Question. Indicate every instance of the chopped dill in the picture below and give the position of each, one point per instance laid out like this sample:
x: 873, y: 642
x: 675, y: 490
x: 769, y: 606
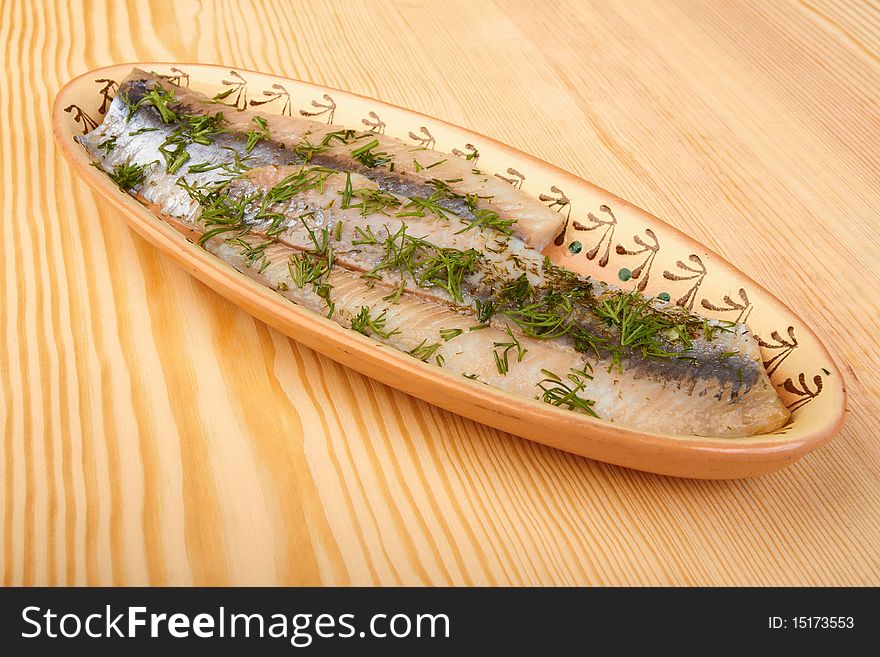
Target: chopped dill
x: 429, y: 265
x: 490, y: 219
x: 296, y: 183
x: 194, y: 129
x: 258, y: 133
x: 559, y: 392
x: 202, y: 167
x: 418, y: 206
x: 639, y: 327
x: 446, y: 268
x: 502, y: 358
x: 159, y: 98
x: 517, y: 290
x: 394, y: 297
x: 449, y: 334
x: 346, y: 191
x: 364, y: 236
x: 127, y: 176
x: 364, y: 323
x: 424, y: 351
x: 485, y: 309
x: 107, y: 145
x: 369, y: 200
x: 546, y: 318
x: 340, y: 136
x: 365, y: 155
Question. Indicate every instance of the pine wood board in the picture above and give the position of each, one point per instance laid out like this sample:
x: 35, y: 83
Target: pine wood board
x: 155, y: 434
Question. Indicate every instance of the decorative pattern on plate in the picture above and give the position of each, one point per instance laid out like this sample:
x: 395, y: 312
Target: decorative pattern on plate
x: 744, y: 306
x: 607, y: 224
x: 328, y: 107
x: 237, y: 86
x: 278, y: 92
x: 374, y: 123
x: 88, y: 123
x: 802, y: 390
x: 176, y: 76
x: 696, y: 273
x: 645, y: 268
x: 783, y: 346
x: 425, y: 139
x: 516, y: 178
x: 470, y: 152
x: 107, y: 92
x: 557, y: 200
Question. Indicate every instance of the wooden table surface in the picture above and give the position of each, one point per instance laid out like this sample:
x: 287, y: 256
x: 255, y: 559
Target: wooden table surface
x: 154, y: 434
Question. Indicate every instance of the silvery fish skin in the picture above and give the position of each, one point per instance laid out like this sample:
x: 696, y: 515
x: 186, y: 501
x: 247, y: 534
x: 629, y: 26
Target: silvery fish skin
x: 320, y: 226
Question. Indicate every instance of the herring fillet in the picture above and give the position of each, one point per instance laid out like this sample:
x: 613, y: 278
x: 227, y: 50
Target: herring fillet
x: 716, y: 387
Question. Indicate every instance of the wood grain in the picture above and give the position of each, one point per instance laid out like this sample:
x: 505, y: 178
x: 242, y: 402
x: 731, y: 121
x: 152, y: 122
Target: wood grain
x: 155, y: 434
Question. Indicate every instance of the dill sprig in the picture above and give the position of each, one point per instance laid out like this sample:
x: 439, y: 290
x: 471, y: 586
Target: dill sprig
x: 443, y: 187
x: 418, y: 206
x: 126, y: 176
x: 364, y: 236
x: 640, y: 327
x: 364, y: 323
x: 341, y: 136
x: 449, y: 334
x: 365, y: 155
x: 194, y: 129
x: 427, y: 264
x: 710, y: 330
x: 394, y: 297
x: 545, y: 318
x: 305, y: 269
x: 224, y: 214
x: 502, y: 358
x: 296, y: 183
x: 107, y: 145
x: 368, y: 200
x: 307, y: 150
x: 159, y: 97
x: 517, y: 290
x: 485, y: 309
x: 565, y: 392
x: 424, y: 351
x: 446, y: 268
x: 313, y: 267
x: 252, y: 253
x: 490, y: 219
x: 258, y: 133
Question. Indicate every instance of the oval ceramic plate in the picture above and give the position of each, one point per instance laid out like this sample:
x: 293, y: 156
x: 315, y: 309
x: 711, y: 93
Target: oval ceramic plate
x: 604, y: 237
